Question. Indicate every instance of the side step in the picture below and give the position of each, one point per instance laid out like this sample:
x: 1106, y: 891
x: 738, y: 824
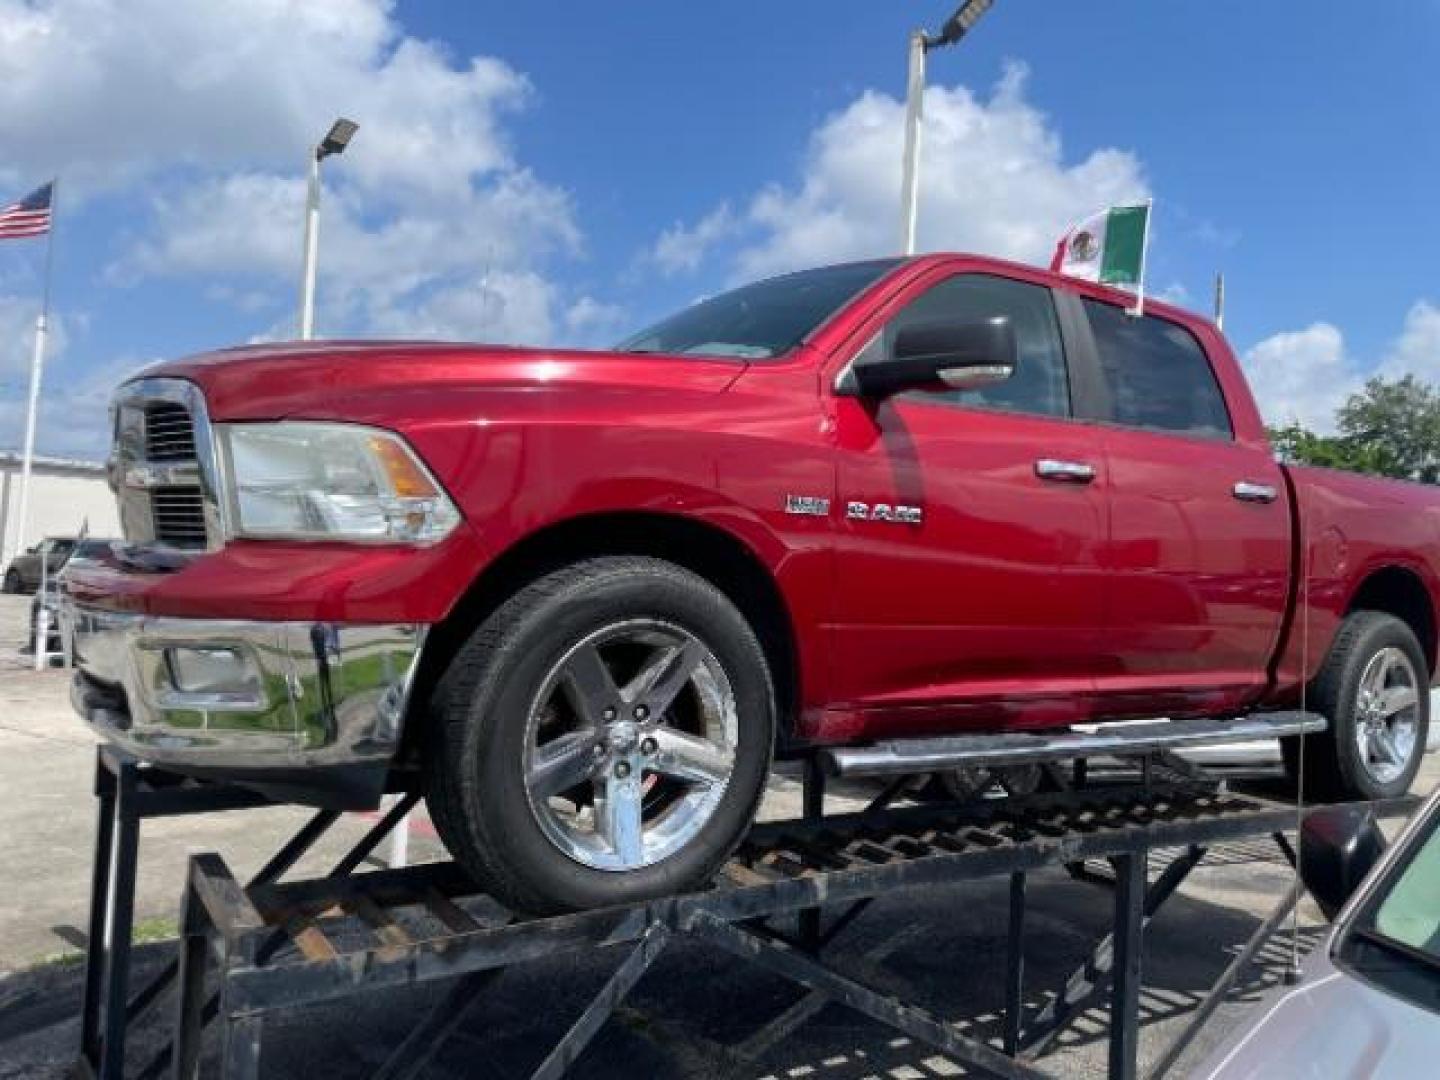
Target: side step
x: 900, y: 756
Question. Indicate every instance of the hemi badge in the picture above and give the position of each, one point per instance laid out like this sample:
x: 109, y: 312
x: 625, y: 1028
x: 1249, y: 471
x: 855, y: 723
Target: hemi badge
x: 807, y: 505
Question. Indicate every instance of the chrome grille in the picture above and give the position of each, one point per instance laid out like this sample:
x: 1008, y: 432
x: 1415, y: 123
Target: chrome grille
x: 164, y: 467
x: 169, y: 432
x: 179, y: 517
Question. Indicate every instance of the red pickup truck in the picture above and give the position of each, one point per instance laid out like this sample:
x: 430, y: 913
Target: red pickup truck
x: 592, y: 594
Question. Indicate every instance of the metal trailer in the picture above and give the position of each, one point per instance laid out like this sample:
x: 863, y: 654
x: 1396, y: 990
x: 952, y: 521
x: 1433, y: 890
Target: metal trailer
x: 279, y: 946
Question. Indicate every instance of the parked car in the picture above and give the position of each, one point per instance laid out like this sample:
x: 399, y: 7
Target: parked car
x: 591, y: 594
x: 85, y: 549
x: 1368, y: 1003
x: 26, y: 569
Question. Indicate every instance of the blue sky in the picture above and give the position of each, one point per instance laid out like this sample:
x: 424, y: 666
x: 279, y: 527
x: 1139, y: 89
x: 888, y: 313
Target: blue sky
x: 561, y: 172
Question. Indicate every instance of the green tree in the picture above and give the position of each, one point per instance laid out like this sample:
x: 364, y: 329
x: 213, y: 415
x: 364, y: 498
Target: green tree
x: 1390, y: 428
x: 1399, y: 421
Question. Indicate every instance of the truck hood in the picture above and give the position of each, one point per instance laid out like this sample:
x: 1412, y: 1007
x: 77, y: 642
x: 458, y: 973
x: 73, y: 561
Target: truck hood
x: 322, y: 378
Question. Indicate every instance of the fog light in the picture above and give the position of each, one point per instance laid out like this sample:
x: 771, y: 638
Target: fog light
x: 219, y: 671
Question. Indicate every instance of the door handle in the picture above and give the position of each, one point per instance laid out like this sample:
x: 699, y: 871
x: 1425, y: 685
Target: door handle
x: 1246, y: 491
x: 1064, y: 472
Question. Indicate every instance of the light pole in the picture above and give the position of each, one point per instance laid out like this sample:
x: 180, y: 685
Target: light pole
x: 335, y: 141
x: 956, y: 27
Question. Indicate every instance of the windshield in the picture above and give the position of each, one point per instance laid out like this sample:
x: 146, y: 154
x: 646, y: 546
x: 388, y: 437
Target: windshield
x: 1395, y: 938
x: 762, y: 320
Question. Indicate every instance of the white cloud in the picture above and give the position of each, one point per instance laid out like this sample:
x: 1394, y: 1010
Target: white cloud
x: 1417, y: 350
x: 503, y: 306
x: 1301, y: 376
x: 994, y: 179
x: 214, y: 108
x: 1306, y: 375
x: 682, y: 247
x: 113, y: 89
x: 593, y: 322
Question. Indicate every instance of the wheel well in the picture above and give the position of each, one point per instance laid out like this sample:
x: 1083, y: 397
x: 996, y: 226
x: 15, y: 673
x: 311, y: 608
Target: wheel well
x: 703, y: 549
x: 1400, y: 592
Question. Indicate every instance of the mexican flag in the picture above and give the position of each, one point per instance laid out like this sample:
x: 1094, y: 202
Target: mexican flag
x: 1108, y: 247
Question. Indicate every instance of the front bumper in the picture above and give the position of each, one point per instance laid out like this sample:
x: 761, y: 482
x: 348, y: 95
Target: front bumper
x: 244, y: 699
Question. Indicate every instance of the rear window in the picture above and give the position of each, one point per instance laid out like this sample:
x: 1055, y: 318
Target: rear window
x: 1158, y: 375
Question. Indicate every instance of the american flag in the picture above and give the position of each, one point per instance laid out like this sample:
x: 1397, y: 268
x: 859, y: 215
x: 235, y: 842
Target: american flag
x: 28, y: 217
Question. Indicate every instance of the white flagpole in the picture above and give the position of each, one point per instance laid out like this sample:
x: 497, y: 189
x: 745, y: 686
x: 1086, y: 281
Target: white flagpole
x: 1139, y: 308
x: 914, y: 127
x: 37, y: 363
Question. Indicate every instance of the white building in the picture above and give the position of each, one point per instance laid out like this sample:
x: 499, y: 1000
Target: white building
x: 65, y: 496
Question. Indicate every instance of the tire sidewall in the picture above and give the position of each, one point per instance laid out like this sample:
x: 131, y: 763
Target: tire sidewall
x: 491, y: 787
x: 1383, y: 632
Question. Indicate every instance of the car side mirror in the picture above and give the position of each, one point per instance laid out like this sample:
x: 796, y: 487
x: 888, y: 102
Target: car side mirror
x: 1339, y: 846
x: 942, y: 355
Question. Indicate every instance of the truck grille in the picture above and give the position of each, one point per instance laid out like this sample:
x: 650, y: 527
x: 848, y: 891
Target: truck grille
x: 164, y: 465
x: 179, y: 516
x: 169, y: 432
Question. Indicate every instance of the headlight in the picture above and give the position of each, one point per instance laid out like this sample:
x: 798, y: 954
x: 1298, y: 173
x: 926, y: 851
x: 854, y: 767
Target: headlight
x: 319, y: 481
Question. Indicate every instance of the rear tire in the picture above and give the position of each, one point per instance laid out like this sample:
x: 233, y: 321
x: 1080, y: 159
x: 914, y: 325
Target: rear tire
x: 603, y: 737
x: 1374, y: 688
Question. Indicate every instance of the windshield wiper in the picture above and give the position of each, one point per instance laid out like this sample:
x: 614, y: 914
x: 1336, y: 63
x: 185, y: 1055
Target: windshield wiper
x: 1397, y: 948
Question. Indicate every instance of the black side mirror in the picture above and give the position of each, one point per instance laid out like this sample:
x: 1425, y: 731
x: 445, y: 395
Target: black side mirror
x: 942, y: 356
x: 1339, y: 846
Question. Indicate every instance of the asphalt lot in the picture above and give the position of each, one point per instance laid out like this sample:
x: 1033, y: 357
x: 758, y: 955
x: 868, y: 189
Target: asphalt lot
x: 695, y: 1014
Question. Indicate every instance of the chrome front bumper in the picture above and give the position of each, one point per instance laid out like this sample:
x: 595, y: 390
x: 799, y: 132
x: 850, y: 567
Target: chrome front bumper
x: 237, y: 696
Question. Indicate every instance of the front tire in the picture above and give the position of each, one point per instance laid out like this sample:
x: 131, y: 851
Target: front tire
x: 1374, y: 690
x: 12, y: 581
x: 603, y: 737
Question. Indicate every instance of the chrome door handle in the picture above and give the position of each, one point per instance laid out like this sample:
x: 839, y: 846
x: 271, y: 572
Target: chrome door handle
x: 1064, y: 472
x: 1246, y: 491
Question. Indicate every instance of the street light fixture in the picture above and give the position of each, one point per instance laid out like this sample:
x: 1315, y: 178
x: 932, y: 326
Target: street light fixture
x: 956, y: 27
x: 334, y: 142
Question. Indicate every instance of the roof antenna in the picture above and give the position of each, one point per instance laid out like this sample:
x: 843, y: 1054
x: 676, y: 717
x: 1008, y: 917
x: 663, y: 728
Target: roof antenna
x: 1292, y: 973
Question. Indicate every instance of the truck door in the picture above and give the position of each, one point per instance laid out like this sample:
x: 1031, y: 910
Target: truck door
x: 968, y: 578
x: 1199, y: 548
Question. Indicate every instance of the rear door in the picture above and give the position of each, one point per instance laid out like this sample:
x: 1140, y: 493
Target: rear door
x: 1198, y: 553
x: 974, y: 598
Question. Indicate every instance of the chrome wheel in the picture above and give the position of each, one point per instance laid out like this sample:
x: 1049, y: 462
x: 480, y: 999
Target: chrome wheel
x: 629, y: 745
x: 1387, y: 711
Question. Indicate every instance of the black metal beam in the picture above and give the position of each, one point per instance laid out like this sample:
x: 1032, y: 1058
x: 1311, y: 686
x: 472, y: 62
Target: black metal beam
x: 1226, y: 982
x: 647, y: 950
x: 780, y: 959
x: 1086, y: 984
x: 1125, y: 997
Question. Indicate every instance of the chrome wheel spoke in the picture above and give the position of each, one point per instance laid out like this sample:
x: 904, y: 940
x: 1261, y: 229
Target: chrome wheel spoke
x: 660, y: 681
x: 562, y: 764
x: 1383, y: 740
x: 1391, y: 701
x: 588, y: 684
x: 691, y: 758
x: 618, y: 817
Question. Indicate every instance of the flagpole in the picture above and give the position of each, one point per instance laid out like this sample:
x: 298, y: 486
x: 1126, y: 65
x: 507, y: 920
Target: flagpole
x: 37, y: 363
x: 1219, y: 301
x: 1144, y: 254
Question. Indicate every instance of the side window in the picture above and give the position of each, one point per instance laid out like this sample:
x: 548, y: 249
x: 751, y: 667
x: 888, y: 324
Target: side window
x: 1039, y: 385
x: 1158, y: 375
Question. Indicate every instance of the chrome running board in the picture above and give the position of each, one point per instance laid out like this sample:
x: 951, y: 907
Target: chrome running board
x: 1019, y: 748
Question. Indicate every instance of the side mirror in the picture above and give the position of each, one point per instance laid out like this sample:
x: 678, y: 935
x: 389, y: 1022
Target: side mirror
x: 942, y: 356
x: 1339, y: 846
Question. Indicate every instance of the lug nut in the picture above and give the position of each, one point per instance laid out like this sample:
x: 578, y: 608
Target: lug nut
x: 641, y: 712
x: 609, y: 712
x: 599, y: 751
x: 649, y: 746
x: 622, y: 769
